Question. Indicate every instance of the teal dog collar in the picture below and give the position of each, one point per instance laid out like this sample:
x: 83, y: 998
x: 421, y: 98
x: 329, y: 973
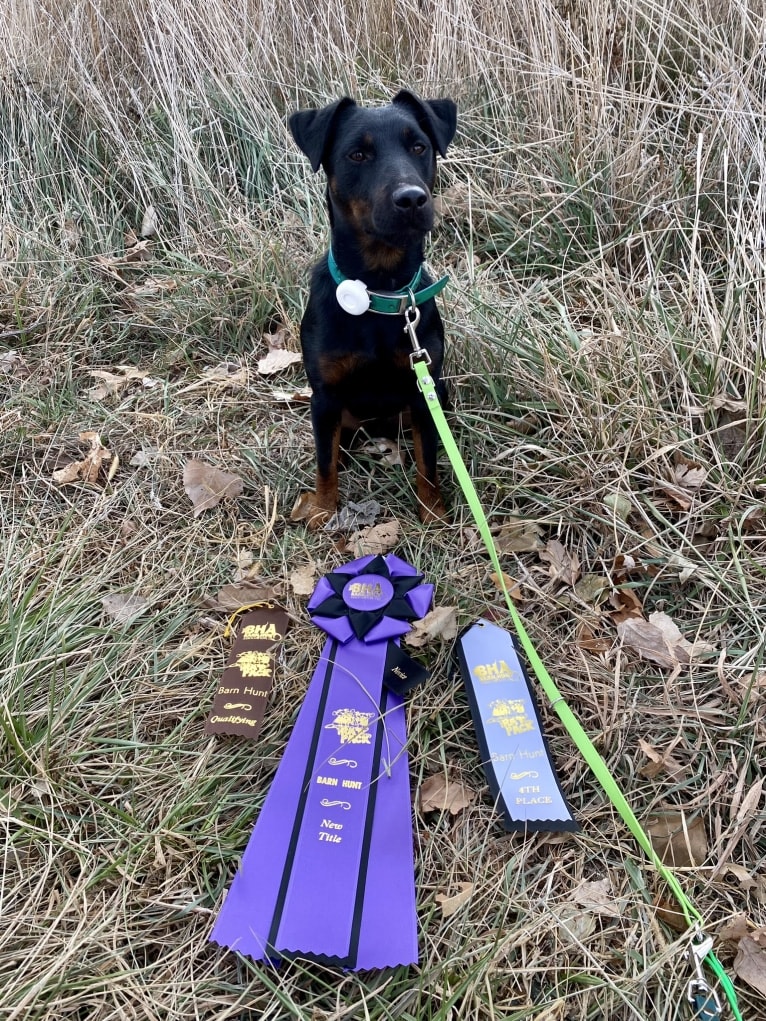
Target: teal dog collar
x: 355, y: 298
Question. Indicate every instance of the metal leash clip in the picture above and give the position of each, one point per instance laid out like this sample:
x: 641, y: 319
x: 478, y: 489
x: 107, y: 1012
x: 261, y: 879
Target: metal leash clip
x: 419, y: 354
x: 707, y: 1006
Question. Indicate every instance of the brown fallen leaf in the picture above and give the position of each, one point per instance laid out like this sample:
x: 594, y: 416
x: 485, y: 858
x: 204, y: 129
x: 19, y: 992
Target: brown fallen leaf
x: 618, y: 505
x: 590, y: 642
x: 142, y: 458
x: 660, y: 762
x: 247, y: 567
x: 14, y: 364
x: 278, y: 357
x: 277, y: 361
x: 71, y: 473
x: 750, y: 803
x: 377, y: 539
x: 624, y: 567
x: 683, y: 481
x: 562, y: 566
x: 86, y: 470
x: 143, y: 292
x: 736, y: 928
x: 512, y: 587
x: 231, y: 373
x: 745, y: 878
x: 679, y: 496
x: 660, y: 641
x: 519, y: 535
x: 574, y: 925
x: 123, y: 608
x: 387, y: 450
x: 112, y: 382
x: 625, y: 605
x: 669, y: 912
x: 438, y: 794
x: 303, y: 580
x: 441, y: 622
x: 298, y: 395
x: 689, y: 475
x: 750, y: 962
x: 451, y: 905
x: 597, y: 896
x: 276, y: 341
x: 136, y: 250
x: 677, y: 841
x: 593, y: 589
x: 233, y: 596
x: 206, y: 485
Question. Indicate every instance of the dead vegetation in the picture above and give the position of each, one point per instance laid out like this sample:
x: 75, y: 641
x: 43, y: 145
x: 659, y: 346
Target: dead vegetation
x: 602, y: 220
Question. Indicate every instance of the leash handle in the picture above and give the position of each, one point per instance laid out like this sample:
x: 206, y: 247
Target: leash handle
x: 584, y: 744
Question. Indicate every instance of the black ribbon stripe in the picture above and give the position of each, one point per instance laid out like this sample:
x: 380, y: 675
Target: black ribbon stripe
x: 305, y: 788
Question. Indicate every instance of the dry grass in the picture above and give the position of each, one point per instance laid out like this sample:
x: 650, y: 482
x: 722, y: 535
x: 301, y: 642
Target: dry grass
x: 603, y: 224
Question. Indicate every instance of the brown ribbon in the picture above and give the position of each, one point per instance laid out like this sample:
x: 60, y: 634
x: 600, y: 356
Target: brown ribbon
x: 240, y: 699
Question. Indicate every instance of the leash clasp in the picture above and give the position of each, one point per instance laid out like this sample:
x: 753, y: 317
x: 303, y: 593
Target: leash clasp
x: 700, y: 994
x: 411, y: 320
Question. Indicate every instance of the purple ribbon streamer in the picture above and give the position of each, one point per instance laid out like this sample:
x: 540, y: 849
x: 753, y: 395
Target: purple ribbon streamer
x: 328, y: 872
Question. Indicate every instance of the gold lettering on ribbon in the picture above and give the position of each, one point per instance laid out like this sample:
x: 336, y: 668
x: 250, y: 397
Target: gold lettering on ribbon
x: 488, y: 673
x: 239, y: 720
x: 254, y: 664
x: 261, y: 632
x: 511, y: 715
x: 352, y: 726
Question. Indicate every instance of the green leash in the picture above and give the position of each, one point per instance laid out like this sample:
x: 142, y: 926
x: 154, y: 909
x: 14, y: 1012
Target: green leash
x: 703, y: 998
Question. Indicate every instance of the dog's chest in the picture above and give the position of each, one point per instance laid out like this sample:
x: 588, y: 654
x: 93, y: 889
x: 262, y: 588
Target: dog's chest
x: 381, y: 383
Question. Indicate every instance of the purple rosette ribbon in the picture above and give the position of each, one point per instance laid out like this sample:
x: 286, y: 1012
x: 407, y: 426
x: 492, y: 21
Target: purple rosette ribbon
x: 328, y: 873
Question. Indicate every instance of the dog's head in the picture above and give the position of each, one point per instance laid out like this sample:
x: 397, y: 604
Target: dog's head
x: 380, y: 162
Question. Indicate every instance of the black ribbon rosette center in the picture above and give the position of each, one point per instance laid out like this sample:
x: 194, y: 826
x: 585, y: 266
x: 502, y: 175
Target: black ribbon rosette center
x: 369, y: 596
x: 374, y: 599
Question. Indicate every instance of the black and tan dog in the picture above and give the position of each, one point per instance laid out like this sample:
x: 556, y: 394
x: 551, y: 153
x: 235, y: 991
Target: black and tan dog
x: 380, y: 165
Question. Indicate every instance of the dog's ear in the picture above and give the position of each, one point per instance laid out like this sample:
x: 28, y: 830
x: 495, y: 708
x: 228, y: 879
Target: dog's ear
x: 312, y: 129
x: 437, y: 117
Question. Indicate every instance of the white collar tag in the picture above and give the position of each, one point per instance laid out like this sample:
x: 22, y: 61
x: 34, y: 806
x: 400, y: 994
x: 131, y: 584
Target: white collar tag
x: 352, y: 297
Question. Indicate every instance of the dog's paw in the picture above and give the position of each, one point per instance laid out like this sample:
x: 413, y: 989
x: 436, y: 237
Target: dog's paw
x: 308, y: 508
x: 434, y: 513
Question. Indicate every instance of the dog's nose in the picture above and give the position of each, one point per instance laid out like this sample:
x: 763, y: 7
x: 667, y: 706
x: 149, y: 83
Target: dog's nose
x: 409, y: 196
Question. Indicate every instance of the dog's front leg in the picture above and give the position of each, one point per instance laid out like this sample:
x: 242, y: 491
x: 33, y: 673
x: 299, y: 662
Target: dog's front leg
x: 316, y: 508
x: 425, y: 441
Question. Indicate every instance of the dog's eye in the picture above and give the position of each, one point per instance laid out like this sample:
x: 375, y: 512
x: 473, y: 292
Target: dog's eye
x: 357, y: 156
x: 418, y: 148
